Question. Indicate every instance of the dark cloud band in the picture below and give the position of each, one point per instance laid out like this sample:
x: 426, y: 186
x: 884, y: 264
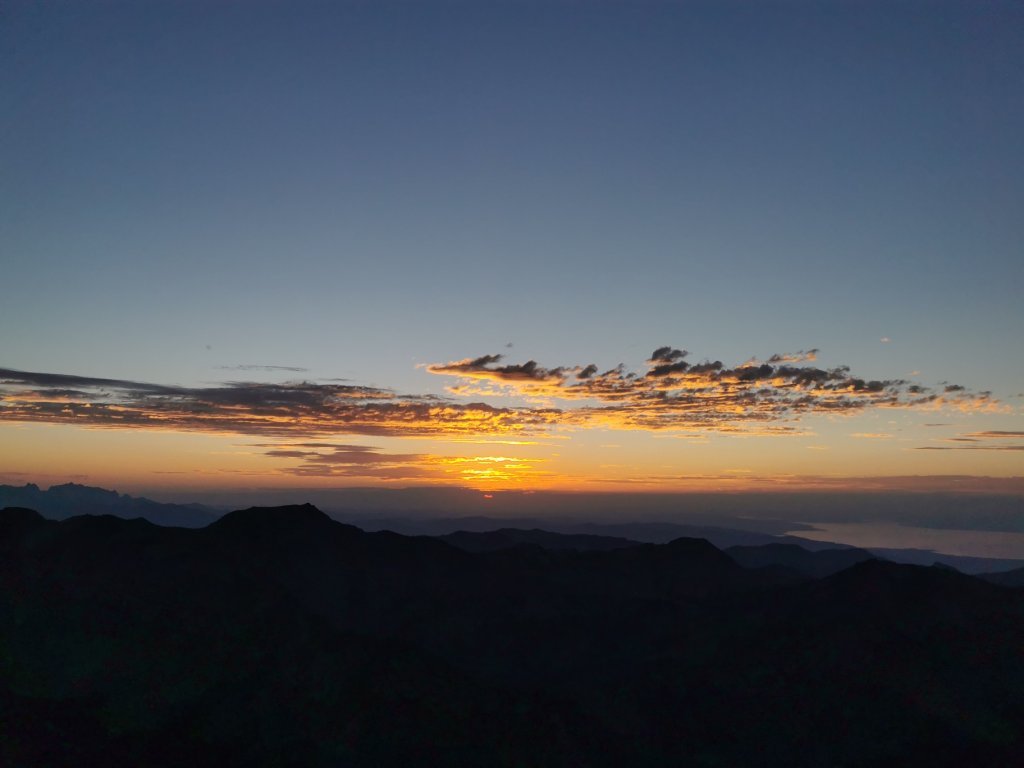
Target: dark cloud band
x: 293, y: 409
x: 671, y: 394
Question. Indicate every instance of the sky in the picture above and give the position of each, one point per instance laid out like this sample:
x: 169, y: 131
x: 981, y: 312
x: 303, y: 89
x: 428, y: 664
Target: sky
x: 596, y: 246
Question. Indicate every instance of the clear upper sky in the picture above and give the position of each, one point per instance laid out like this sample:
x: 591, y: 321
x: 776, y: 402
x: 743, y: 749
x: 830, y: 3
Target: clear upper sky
x: 199, y: 193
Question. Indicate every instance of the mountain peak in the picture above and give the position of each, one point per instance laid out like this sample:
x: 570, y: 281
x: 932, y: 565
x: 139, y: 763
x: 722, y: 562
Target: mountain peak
x: 879, y: 583
x: 265, y: 520
x: 689, y: 543
x: 696, y: 548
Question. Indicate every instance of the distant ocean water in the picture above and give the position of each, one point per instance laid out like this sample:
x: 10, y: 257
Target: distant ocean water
x: 997, y: 544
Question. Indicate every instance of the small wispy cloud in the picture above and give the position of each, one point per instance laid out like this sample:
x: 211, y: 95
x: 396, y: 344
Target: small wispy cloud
x: 794, y: 357
x: 970, y: 448
x: 985, y: 440
x: 290, y: 368
x: 360, y: 461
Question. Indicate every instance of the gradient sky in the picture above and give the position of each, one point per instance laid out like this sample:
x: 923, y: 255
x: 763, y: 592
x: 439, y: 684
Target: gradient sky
x: 279, y: 244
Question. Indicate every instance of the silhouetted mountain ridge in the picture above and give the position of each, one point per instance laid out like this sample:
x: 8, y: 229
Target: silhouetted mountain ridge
x: 289, y: 519
x: 281, y: 637
x: 73, y: 499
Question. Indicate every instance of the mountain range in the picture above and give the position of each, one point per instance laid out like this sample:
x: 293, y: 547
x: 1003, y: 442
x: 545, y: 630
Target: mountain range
x: 70, y: 499
x: 60, y: 502
x: 278, y: 636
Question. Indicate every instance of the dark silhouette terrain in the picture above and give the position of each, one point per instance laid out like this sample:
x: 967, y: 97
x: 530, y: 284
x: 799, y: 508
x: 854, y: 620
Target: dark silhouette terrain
x: 276, y: 636
x: 816, y: 565
x: 1014, y: 578
x: 505, y: 538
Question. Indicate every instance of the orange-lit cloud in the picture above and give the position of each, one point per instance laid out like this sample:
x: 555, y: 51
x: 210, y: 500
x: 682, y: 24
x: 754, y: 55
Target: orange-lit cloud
x: 360, y: 461
x: 706, y: 396
x: 670, y: 394
x: 283, y: 410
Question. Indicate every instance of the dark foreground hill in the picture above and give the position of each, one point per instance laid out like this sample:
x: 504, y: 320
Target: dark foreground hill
x: 506, y: 538
x: 1014, y: 578
x: 279, y: 637
x: 816, y: 565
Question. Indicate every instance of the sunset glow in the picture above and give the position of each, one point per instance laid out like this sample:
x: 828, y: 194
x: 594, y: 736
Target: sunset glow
x: 675, y: 426
x: 581, y: 249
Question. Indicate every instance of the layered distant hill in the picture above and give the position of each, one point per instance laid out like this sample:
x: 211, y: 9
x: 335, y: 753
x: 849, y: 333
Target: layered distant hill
x: 276, y: 636
x: 63, y: 501
x: 482, y: 532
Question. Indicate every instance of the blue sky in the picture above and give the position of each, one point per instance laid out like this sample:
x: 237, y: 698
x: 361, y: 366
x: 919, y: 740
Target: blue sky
x: 359, y: 189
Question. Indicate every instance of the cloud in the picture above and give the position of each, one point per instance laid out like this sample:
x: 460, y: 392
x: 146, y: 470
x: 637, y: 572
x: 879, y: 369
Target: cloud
x: 671, y: 394
x: 706, y: 396
x: 484, y: 368
x: 352, y: 461
x: 977, y: 441
x: 375, y: 472
x: 666, y: 355
x: 290, y: 368
x: 665, y: 361
x: 361, y: 461
x: 794, y: 357
x: 279, y: 410
x: 356, y: 455
x: 970, y: 448
x: 290, y: 454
